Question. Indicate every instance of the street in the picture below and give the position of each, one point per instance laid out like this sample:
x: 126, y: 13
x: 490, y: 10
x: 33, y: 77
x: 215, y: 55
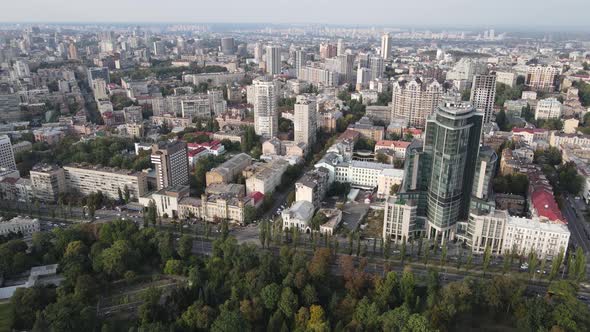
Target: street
x: 576, y: 224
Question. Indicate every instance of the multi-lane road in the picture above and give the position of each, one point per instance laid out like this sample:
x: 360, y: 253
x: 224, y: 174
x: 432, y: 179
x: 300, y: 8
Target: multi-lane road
x: 580, y: 235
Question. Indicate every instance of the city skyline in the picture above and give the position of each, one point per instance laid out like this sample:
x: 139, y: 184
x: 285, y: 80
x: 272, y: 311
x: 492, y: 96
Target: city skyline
x: 459, y: 13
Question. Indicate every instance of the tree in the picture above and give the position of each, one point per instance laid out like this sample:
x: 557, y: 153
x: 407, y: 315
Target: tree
x: 174, y: 267
x: 318, y: 220
x: 317, y: 320
x: 270, y: 295
x: 185, y: 246
x: 288, y: 302
x: 118, y: 258
x: 69, y: 314
x: 487, y: 257
x: 26, y: 301
x: 556, y: 264
x: 502, y: 121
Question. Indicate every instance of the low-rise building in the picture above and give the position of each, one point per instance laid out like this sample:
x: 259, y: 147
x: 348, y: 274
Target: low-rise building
x: 24, y: 226
x: 400, y: 219
x: 388, y: 178
x: 312, y: 186
x: 334, y: 217
x: 524, y: 235
x: 298, y: 216
x: 266, y: 176
x: 548, y: 108
x: 227, y: 171
x: 367, y: 130
x: 398, y: 147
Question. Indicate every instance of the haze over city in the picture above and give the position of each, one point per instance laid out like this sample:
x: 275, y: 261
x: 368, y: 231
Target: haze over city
x: 458, y: 13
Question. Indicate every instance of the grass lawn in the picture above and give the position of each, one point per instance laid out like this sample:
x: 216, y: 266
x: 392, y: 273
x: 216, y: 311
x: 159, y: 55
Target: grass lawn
x: 5, y: 317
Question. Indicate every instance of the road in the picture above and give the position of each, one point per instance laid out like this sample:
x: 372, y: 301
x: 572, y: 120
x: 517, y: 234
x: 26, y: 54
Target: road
x: 576, y: 224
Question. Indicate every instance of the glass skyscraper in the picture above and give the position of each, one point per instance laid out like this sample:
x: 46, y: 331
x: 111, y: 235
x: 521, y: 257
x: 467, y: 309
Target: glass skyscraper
x: 441, y: 173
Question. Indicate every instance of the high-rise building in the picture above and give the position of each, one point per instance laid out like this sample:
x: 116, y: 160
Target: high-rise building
x: 483, y: 94
x: 98, y: 72
x: 273, y: 60
x: 159, y: 48
x: 171, y: 162
x: 258, y: 51
x: 340, y: 47
x: 345, y: 67
x: 99, y: 89
x: 6, y: 153
x: 328, y: 50
x: 440, y: 174
x: 465, y: 69
x: 385, y: 46
x: 542, y: 78
x: 72, y: 52
x: 376, y: 67
x: 9, y: 106
x: 300, y: 61
x: 47, y: 182
x: 227, y: 46
x: 485, y: 168
x: 305, y: 122
x: 266, y: 118
x: 414, y: 100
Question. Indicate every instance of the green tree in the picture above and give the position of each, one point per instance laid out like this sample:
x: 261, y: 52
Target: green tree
x: 288, y: 302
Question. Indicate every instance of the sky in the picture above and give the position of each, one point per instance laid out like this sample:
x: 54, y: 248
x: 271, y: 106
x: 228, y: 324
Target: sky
x: 418, y: 13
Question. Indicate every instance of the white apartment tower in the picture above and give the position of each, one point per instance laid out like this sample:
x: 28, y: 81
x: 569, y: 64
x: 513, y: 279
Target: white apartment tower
x: 483, y: 93
x: 385, y: 46
x: 414, y: 100
x: 340, y: 47
x: 305, y: 121
x: 273, y: 60
x: 376, y: 66
x: 6, y: 153
x: 266, y: 119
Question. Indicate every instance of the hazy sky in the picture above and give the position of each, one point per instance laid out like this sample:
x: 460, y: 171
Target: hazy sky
x: 523, y: 13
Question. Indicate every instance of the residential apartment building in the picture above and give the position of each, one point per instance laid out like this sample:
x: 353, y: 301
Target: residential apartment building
x: 483, y: 94
x: 90, y: 179
x: 313, y: 186
x: 266, y: 117
x: 273, y: 60
x: 387, y: 179
x: 524, y: 235
x: 542, y: 78
x: 47, y: 182
x: 548, y: 108
x: 22, y: 225
x: 305, y: 120
x: 7, y: 160
x: 414, y: 100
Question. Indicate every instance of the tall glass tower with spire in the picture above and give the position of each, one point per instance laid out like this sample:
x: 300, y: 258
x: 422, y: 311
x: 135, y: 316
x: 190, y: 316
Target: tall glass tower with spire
x: 440, y: 171
x: 451, y: 148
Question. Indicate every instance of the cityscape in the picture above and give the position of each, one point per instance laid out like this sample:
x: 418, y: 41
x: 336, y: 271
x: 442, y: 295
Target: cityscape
x: 177, y: 176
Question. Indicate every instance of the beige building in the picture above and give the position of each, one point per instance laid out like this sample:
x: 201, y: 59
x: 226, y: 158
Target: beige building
x: 312, y: 186
x: 544, y: 238
x: 47, y: 182
x: 415, y: 99
x: 266, y: 176
x: 548, y: 108
x: 88, y: 179
x: 226, y: 172
x: 305, y: 122
x: 366, y: 128
x: 485, y: 229
x: 387, y: 179
x: 171, y: 162
x: 399, y: 221
x: 542, y: 78
x: 570, y: 126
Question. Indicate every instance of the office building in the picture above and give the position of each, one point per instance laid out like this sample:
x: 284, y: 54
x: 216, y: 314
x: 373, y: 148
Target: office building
x: 266, y: 118
x: 542, y: 78
x: 414, y: 100
x: 6, y: 153
x: 385, y: 46
x: 548, y: 108
x: 483, y: 94
x: 273, y: 60
x: 171, y: 162
x: 90, y: 179
x: 305, y: 122
x: 228, y: 46
x: 9, y: 107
